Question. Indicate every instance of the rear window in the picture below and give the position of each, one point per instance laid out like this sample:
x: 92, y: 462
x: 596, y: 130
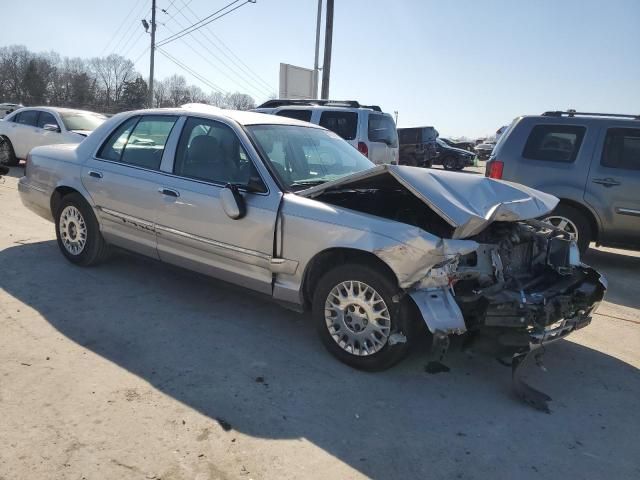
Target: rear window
x: 554, y: 143
x: 304, y: 115
x: 622, y: 149
x: 344, y: 124
x: 382, y: 129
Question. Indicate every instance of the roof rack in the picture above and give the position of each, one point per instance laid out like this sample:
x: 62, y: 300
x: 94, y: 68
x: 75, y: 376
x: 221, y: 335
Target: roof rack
x: 573, y: 113
x: 283, y: 102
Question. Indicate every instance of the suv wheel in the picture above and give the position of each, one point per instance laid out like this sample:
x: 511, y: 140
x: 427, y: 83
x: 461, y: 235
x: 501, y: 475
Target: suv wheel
x: 7, y: 155
x: 357, y: 319
x: 78, y: 232
x: 574, y: 222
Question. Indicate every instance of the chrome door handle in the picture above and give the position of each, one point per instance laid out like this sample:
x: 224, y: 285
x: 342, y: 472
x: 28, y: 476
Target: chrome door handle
x: 95, y: 174
x: 607, y: 182
x: 168, y: 192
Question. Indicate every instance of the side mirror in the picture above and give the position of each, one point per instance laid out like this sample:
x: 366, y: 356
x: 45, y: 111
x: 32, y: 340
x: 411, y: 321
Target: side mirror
x: 51, y: 127
x: 233, y: 203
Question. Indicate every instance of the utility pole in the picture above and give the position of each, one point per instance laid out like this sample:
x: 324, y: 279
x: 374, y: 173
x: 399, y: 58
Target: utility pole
x: 316, y: 70
x: 326, y: 64
x: 153, y: 51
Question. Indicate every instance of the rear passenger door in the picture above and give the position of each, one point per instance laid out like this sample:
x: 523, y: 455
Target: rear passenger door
x: 613, y: 188
x: 125, y: 182
x: 23, y: 134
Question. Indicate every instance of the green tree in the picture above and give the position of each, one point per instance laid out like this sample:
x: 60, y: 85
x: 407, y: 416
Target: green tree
x: 134, y: 94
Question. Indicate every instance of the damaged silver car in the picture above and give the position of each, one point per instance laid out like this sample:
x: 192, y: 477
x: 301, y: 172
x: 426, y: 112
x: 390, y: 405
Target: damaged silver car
x: 293, y: 211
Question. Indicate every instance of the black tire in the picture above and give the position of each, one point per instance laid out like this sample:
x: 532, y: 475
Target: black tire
x: 95, y: 248
x: 450, y: 163
x: 581, y: 222
x: 402, y: 316
x: 9, y: 158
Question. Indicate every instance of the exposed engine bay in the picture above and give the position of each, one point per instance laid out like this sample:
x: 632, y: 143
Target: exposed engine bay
x: 523, y: 287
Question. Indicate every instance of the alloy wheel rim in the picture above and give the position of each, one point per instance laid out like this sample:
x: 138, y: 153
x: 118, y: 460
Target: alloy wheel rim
x: 73, y: 230
x: 564, y: 224
x: 4, y: 152
x: 357, y: 318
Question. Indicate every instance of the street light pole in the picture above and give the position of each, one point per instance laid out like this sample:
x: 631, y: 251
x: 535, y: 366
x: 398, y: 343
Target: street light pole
x: 326, y: 64
x: 153, y: 51
x: 316, y: 70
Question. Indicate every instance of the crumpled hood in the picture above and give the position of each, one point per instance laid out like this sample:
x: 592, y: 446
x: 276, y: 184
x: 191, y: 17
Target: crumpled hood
x: 468, y: 202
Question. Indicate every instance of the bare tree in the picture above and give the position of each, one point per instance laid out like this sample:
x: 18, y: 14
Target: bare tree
x: 112, y: 73
x: 240, y: 101
x: 177, y: 90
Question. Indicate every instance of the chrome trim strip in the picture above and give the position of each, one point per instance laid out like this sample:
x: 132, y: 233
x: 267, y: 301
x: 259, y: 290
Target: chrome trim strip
x: 133, y: 221
x: 214, y: 243
x: 628, y: 211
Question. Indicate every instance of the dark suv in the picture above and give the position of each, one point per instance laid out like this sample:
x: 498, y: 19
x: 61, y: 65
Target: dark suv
x: 418, y: 146
x: 590, y: 161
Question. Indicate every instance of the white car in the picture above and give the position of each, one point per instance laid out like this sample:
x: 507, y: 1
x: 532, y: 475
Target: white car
x: 7, y: 108
x: 366, y: 127
x: 31, y: 127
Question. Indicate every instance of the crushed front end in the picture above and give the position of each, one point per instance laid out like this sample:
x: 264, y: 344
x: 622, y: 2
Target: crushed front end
x: 524, y: 287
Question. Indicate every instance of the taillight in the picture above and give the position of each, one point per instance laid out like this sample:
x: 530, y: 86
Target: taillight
x: 363, y: 149
x: 494, y: 169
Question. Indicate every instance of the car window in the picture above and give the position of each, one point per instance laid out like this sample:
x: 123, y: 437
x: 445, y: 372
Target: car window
x: 82, y: 121
x: 29, y: 117
x: 47, y: 118
x: 211, y: 151
x: 304, y: 115
x: 139, y: 141
x: 554, y: 143
x: 344, y: 124
x: 382, y: 129
x: 622, y: 149
x: 303, y: 156
x: 408, y: 135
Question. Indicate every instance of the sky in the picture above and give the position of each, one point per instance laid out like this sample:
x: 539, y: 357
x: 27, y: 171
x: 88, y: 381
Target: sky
x: 466, y: 67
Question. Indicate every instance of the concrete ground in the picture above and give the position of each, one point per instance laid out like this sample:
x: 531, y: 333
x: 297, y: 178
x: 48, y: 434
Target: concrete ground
x: 138, y: 370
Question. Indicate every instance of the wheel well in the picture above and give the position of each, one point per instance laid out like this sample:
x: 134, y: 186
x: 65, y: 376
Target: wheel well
x: 327, y: 259
x: 58, y: 194
x: 593, y: 223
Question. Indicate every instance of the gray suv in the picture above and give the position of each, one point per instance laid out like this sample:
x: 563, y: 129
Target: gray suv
x: 591, y: 161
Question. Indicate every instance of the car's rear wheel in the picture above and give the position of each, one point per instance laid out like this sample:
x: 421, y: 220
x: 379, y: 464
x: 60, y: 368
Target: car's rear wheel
x: 78, y: 232
x: 357, y: 319
x: 7, y: 155
x: 450, y: 163
x: 574, y: 222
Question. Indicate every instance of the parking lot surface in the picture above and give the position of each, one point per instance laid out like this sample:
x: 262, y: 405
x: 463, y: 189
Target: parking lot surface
x: 135, y: 369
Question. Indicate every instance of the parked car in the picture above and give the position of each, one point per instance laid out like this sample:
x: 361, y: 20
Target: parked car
x: 591, y: 161
x: 418, y: 146
x: 452, y: 158
x: 484, y: 149
x: 291, y: 210
x: 7, y: 108
x: 469, y: 146
x: 35, y: 126
x: 365, y: 127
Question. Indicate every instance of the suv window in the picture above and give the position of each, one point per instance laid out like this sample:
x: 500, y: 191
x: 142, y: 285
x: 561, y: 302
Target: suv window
x: 30, y: 117
x: 622, y: 149
x: 344, y: 124
x: 554, y: 143
x: 46, y: 118
x: 211, y: 151
x: 304, y: 115
x: 382, y: 129
x: 139, y: 141
x: 408, y: 135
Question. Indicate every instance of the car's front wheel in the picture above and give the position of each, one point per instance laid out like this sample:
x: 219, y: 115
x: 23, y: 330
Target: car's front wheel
x: 358, y: 320
x: 7, y: 155
x: 78, y: 232
x: 450, y: 163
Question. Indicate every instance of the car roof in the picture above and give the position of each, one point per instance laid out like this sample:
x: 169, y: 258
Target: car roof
x: 242, y: 117
x: 57, y: 110
x: 582, y: 119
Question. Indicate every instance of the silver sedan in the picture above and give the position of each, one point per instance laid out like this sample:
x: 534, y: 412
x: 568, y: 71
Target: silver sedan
x: 291, y: 210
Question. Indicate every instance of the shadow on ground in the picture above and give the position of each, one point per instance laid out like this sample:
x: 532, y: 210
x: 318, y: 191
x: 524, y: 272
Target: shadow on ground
x: 206, y: 344
x: 624, y: 284
x: 16, y: 172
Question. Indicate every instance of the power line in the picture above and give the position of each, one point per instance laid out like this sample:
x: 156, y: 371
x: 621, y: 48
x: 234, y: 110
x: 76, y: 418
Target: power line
x: 124, y: 20
x: 251, y: 86
x: 135, y: 42
x: 130, y: 32
x: 268, y: 88
x: 195, y: 26
x: 190, y: 71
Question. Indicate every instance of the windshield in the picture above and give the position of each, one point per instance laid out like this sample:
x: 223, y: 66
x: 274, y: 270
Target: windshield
x: 303, y: 156
x: 82, y: 121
